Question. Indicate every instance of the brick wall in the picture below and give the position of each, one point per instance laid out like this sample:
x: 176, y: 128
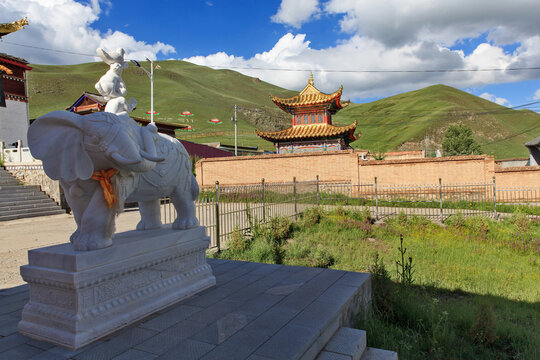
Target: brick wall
x: 452, y: 169
x: 523, y: 176
x: 330, y: 166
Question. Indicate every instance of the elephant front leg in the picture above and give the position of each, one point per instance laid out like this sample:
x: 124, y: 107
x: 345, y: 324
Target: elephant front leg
x: 97, y: 224
x: 150, y: 218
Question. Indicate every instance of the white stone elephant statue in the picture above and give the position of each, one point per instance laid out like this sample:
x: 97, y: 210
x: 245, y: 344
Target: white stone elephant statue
x: 84, y: 152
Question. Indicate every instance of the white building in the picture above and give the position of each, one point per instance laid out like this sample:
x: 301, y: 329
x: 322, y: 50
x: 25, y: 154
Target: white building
x: 14, y: 114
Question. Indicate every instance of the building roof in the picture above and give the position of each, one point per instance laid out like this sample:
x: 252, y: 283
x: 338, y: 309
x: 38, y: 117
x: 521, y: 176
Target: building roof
x: 204, y: 151
x: 13, y: 60
x: 8, y: 28
x: 534, y: 142
x: 97, y: 99
x: 311, y: 131
x: 311, y: 96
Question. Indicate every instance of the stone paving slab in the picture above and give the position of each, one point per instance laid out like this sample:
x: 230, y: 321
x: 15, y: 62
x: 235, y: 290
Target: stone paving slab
x: 256, y: 311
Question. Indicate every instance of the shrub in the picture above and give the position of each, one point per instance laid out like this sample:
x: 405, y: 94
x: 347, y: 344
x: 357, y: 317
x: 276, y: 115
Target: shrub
x: 520, y: 220
x: 322, y: 257
x: 456, y: 221
x: 381, y: 293
x: 238, y: 242
x: 478, y: 224
x: 483, y: 329
x: 260, y: 251
x: 278, y: 229
x: 312, y: 216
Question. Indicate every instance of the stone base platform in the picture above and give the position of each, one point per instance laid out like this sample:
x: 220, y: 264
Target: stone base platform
x: 77, y: 297
x: 255, y: 311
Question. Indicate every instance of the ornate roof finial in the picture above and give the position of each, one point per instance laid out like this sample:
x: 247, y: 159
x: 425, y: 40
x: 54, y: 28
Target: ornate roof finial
x: 310, y: 80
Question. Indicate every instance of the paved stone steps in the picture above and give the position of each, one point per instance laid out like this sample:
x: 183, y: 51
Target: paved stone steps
x: 23, y: 201
x: 350, y: 344
x: 26, y: 206
x: 8, y: 181
x: 22, y: 196
x: 12, y: 203
x: 30, y: 214
x: 18, y: 188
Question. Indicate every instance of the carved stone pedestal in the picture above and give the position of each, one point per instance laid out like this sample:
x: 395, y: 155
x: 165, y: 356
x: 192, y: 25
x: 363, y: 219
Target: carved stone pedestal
x: 77, y: 297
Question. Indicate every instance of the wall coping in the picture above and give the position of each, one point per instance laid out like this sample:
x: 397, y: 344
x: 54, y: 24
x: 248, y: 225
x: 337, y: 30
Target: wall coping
x: 518, y: 169
x: 512, y: 159
x: 280, y: 156
x: 426, y: 160
x: 408, y: 152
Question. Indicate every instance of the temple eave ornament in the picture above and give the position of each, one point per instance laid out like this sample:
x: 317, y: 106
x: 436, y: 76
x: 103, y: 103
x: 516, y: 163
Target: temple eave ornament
x: 8, y: 28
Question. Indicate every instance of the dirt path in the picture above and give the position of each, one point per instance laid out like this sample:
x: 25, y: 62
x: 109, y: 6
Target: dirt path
x: 19, y: 236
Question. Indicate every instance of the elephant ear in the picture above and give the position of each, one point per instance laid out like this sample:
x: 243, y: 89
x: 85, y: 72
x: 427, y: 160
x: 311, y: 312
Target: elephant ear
x: 57, y: 139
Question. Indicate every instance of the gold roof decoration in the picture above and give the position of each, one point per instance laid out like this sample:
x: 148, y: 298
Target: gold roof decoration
x: 312, y: 131
x: 311, y: 96
x: 8, y: 28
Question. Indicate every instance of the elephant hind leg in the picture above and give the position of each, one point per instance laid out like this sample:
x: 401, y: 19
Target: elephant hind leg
x: 185, y: 209
x: 150, y: 218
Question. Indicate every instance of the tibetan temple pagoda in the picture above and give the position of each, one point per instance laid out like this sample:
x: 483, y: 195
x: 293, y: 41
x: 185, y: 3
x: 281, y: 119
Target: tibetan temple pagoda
x: 312, y: 128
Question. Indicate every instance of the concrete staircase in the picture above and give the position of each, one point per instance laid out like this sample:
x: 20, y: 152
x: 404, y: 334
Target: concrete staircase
x: 23, y: 201
x: 350, y: 344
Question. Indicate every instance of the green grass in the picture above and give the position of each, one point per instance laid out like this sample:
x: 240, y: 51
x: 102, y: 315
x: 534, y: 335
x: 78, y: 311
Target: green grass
x: 475, y: 293
x: 397, y: 122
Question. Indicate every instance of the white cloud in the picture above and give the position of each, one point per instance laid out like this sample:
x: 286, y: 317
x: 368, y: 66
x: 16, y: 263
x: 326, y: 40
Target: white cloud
x: 396, y: 22
x: 495, y: 99
x: 65, y: 25
x: 296, y: 12
x: 293, y: 52
x: 536, y: 95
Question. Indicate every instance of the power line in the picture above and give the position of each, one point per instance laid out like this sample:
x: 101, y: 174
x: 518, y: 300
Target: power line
x: 373, y: 71
x: 310, y: 70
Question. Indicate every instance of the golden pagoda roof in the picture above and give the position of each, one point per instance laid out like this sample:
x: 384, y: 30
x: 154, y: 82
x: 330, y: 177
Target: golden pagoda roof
x: 310, y: 96
x: 310, y: 131
x: 8, y: 28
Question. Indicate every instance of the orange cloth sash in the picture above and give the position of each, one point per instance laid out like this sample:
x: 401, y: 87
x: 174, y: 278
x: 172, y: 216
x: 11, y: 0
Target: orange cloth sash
x: 104, y: 178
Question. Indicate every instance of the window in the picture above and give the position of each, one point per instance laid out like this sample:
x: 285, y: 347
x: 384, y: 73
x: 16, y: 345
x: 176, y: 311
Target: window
x: 320, y: 118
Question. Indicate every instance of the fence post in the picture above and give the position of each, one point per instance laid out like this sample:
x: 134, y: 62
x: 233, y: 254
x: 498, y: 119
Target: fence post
x: 494, y: 198
x: 294, y: 195
x: 263, y: 201
x: 318, y: 199
x: 440, y: 199
x: 376, y: 201
x: 217, y: 218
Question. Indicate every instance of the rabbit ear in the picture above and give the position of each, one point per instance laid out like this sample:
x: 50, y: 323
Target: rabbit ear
x: 105, y: 56
x: 116, y: 56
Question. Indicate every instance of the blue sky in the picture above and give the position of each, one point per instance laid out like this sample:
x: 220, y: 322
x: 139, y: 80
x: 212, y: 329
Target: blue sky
x: 303, y: 35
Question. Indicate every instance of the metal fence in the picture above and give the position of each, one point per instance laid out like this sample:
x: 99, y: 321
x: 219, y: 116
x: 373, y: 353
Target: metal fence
x: 222, y: 209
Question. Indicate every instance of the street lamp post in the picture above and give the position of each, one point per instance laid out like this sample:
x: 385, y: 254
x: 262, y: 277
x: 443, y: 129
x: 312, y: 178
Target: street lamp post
x: 151, y: 76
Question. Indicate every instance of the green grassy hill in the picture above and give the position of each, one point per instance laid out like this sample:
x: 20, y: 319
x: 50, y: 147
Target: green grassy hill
x: 397, y: 122
x: 403, y: 121
x: 178, y: 86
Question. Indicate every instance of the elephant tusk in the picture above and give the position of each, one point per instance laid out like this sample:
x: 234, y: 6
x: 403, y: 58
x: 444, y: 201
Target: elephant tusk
x: 150, y: 157
x: 124, y: 161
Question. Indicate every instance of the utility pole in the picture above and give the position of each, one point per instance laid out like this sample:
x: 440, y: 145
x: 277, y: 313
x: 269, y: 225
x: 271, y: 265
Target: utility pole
x: 151, y: 90
x: 151, y: 76
x: 235, y: 132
